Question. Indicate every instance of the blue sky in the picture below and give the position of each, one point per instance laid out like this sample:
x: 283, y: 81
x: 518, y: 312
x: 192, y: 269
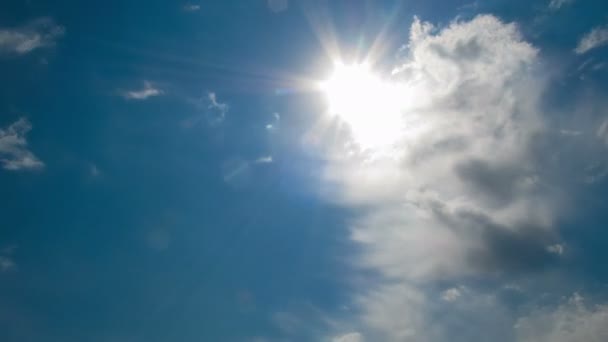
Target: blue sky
x: 290, y: 170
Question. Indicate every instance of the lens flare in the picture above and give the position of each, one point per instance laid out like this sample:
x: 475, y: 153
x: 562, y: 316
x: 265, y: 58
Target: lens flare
x: 370, y: 106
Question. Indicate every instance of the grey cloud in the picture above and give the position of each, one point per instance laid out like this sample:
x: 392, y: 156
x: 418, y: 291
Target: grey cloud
x: 39, y: 33
x: 571, y: 321
x: 499, y: 183
x: 14, y: 152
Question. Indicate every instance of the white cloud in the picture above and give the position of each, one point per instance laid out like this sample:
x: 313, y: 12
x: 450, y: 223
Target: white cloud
x: 596, y: 38
x: 350, y: 337
x: 264, y: 160
x: 14, y: 153
x: 36, y: 34
x: 557, y: 4
x: 451, y: 295
x: 149, y: 90
x: 275, y: 124
x: 461, y: 193
x: 571, y: 321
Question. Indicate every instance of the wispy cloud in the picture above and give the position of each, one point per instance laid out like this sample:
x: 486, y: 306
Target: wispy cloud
x: 216, y: 110
x: 191, y: 7
x: 212, y: 111
x: 275, y: 124
x: 6, y: 264
x: 14, y: 152
x: 6, y: 261
x: 39, y: 33
x: 149, y: 90
x: 596, y: 38
x: 264, y: 160
x: 557, y: 4
x: 350, y: 337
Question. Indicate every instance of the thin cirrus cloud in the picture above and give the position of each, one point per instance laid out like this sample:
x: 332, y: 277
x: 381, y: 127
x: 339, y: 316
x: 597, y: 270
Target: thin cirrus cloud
x: 14, y: 152
x: 463, y: 196
x: 149, y: 90
x: 216, y: 110
x: 212, y: 111
x: 37, y: 34
x: 596, y: 38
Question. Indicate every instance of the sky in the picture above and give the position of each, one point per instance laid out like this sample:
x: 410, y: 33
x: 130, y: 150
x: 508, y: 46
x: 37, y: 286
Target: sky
x: 304, y: 170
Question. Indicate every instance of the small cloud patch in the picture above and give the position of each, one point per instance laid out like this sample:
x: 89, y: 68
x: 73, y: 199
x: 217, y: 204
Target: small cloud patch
x: 596, y: 38
x: 39, y: 33
x: 149, y: 90
x: 14, y: 152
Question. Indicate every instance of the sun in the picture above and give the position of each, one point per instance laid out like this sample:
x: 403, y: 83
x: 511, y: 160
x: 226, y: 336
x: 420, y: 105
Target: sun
x: 368, y: 104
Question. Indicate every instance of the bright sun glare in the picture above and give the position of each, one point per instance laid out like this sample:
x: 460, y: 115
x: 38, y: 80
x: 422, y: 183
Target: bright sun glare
x: 369, y: 105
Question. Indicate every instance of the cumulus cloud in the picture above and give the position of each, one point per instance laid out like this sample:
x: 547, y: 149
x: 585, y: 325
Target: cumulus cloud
x: 596, y: 38
x: 461, y: 194
x: 571, y: 321
x: 149, y: 90
x: 14, y: 152
x: 39, y: 33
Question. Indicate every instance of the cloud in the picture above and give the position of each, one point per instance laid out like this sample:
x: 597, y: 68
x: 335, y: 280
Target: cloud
x: 463, y: 193
x: 275, y: 124
x: 6, y: 264
x: 596, y: 38
x: 192, y: 8
x: 557, y: 4
x: 39, y: 33
x: 14, y: 153
x: 216, y: 109
x: 571, y: 321
x: 264, y: 160
x: 350, y: 337
x: 94, y: 171
x: 451, y: 295
x: 148, y: 90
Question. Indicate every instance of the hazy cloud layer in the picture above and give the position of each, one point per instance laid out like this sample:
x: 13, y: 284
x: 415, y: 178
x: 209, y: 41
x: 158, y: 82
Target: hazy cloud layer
x: 14, y: 152
x: 36, y: 34
x: 572, y: 321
